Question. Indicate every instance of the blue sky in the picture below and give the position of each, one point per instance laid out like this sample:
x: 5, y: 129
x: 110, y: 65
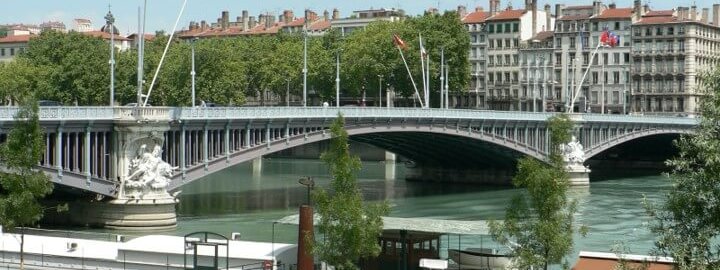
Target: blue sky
x: 162, y: 13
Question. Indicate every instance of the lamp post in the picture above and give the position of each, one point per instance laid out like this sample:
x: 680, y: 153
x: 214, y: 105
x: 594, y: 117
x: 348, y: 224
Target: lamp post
x: 309, y: 183
x: 192, y: 71
x: 110, y: 21
x: 380, y: 77
x: 624, y: 90
x: 287, y: 92
x: 305, y: 229
x: 337, y: 80
x: 305, y: 70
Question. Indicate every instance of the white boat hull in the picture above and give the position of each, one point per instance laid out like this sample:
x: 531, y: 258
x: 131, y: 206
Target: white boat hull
x: 479, y: 259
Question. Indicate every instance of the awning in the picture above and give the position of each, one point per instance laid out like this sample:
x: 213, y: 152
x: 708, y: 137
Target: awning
x: 442, y: 226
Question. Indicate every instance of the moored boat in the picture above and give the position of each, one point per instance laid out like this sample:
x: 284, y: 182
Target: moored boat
x: 480, y: 258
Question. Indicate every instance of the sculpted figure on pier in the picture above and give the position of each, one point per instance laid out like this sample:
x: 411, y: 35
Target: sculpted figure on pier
x: 149, y: 171
x: 573, y: 153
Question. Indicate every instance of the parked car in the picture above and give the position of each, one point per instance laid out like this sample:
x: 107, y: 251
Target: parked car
x: 49, y: 103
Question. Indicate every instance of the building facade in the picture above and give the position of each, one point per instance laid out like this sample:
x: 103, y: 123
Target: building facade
x: 12, y: 45
x: 670, y: 50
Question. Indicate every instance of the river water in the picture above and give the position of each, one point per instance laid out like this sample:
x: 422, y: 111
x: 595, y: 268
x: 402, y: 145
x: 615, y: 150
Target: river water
x: 236, y: 200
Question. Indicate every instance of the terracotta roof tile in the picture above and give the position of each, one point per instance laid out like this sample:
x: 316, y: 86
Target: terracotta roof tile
x: 657, y: 20
x: 578, y: 7
x: 295, y: 22
x: 476, y: 17
x: 320, y: 25
x: 508, y: 14
x: 574, y: 17
x: 147, y: 36
x: 615, y: 13
x: 16, y: 39
x: 656, y: 13
x: 104, y: 35
x: 543, y: 35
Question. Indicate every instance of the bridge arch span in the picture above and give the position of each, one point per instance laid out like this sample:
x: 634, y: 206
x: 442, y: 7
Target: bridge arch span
x: 420, y: 141
x: 614, y: 141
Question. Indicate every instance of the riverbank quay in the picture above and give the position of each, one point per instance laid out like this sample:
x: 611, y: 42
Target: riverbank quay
x: 143, y: 253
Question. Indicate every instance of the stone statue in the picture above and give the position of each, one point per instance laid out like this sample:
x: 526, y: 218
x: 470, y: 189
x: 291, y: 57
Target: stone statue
x: 149, y: 171
x: 573, y: 153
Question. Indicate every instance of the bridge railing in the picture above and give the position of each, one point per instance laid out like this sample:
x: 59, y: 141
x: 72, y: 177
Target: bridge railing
x: 145, y: 113
x: 7, y: 113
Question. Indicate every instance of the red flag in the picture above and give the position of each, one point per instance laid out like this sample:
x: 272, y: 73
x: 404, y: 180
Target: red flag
x: 604, y: 38
x: 399, y: 42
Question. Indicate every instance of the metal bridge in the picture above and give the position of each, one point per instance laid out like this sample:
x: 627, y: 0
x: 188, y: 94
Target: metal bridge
x: 86, y: 146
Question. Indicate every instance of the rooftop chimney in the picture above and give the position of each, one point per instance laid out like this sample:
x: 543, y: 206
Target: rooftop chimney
x: 203, y: 25
x: 493, y: 7
x: 693, y: 13
x: 245, y: 21
x: 548, y: 18
x: 461, y: 11
x: 326, y: 15
x: 705, y: 15
x: 637, y: 10
x: 559, y: 10
x: 612, y: 5
x: 225, y: 19
x: 191, y: 26
x: 335, y: 14
x: 251, y: 22
x: 479, y: 9
x: 716, y: 14
x: 531, y: 5
x: 288, y: 16
x: 261, y: 20
x: 597, y: 7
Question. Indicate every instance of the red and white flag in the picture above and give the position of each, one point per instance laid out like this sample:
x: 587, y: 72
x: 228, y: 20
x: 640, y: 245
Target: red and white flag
x: 399, y: 42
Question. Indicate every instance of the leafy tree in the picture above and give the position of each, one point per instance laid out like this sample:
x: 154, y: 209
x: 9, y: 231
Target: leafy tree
x: 350, y: 229
x: 538, y: 225
x: 687, y: 224
x: 3, y: 31
x: 23, y: 185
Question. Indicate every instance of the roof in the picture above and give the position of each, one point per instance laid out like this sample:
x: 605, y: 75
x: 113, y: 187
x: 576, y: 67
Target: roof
x: 476, y: 17
x: 609, y: 261
x: 574, y: 17
x: 103, y: 35
x: 80, y: 20
x: 657, y: 20
x: 578, y: 7
x: 656, y: 13
x: 16, y: 39
x: 442, y: 226
x: 543, y: 35
x: 508, y: 14
x: 295, y: 22
x: 320, y: 25
x: 615, y: 13
x: 147, y: 36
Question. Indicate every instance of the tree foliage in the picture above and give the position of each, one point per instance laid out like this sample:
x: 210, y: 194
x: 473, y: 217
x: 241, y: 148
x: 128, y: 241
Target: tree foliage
x: 350, y: 229
x: 538, y: 224
x: 73, y: 68
x: 687, y: 224
x: 21, y: 183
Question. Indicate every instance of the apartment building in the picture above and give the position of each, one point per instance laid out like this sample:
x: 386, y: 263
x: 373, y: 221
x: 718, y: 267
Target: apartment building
x: 361, y: 18
x: 506, y: 31
x: 537, y: 74
x: 13, y: 44
x: 476, y: 96
x: 671, y: 49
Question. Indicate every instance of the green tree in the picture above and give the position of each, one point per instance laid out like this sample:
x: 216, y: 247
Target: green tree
x: 350, y: 229
x: 23, y: 185
x: 3, y: 31
x: 687, y: 224
x: 538, y: 225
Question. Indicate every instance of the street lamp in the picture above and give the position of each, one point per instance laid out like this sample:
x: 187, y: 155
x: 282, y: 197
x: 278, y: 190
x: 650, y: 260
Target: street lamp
x: 309, y: 183
x: 192, y: 71
x: 305, y: 70
x: 109, y: 22
x: 287, y: 92
x: 337, y: 80
x: 380, y: 77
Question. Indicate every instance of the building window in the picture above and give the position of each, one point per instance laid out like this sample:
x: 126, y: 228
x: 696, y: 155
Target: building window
x: 515, y: 59
x: 617, y: 25
x: 627, y: 58
x: 671, y: 30
x: 558, y: 59
x: 594, y: 26
x: 491, y: 29
x: 616, y: 77
x: 516, y: 43
x: 648, y: 32
x: 507, y: 28
x: 2, y: 52
x: 558, y: 42
x: 499, y: 28
x: 659, y: 31
x: 516, y: 27
x: 572, y: 42
x: 507, y: 43
x: 605, y: 58
x: 586, y: 58
x: 616, y: 58
x: 491, y: 78
x: 595, y: 77
x: 12, y: 51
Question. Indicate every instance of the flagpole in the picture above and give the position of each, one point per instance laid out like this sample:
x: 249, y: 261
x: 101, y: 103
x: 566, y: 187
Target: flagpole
x: 579, y: 86
x: 422, y: 70
x: 442, y: 77
x: 411, y: 77
x: 427, y: 78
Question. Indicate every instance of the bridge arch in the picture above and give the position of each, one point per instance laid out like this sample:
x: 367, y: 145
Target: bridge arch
x: 607, y: 144
x: 517, y: 145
